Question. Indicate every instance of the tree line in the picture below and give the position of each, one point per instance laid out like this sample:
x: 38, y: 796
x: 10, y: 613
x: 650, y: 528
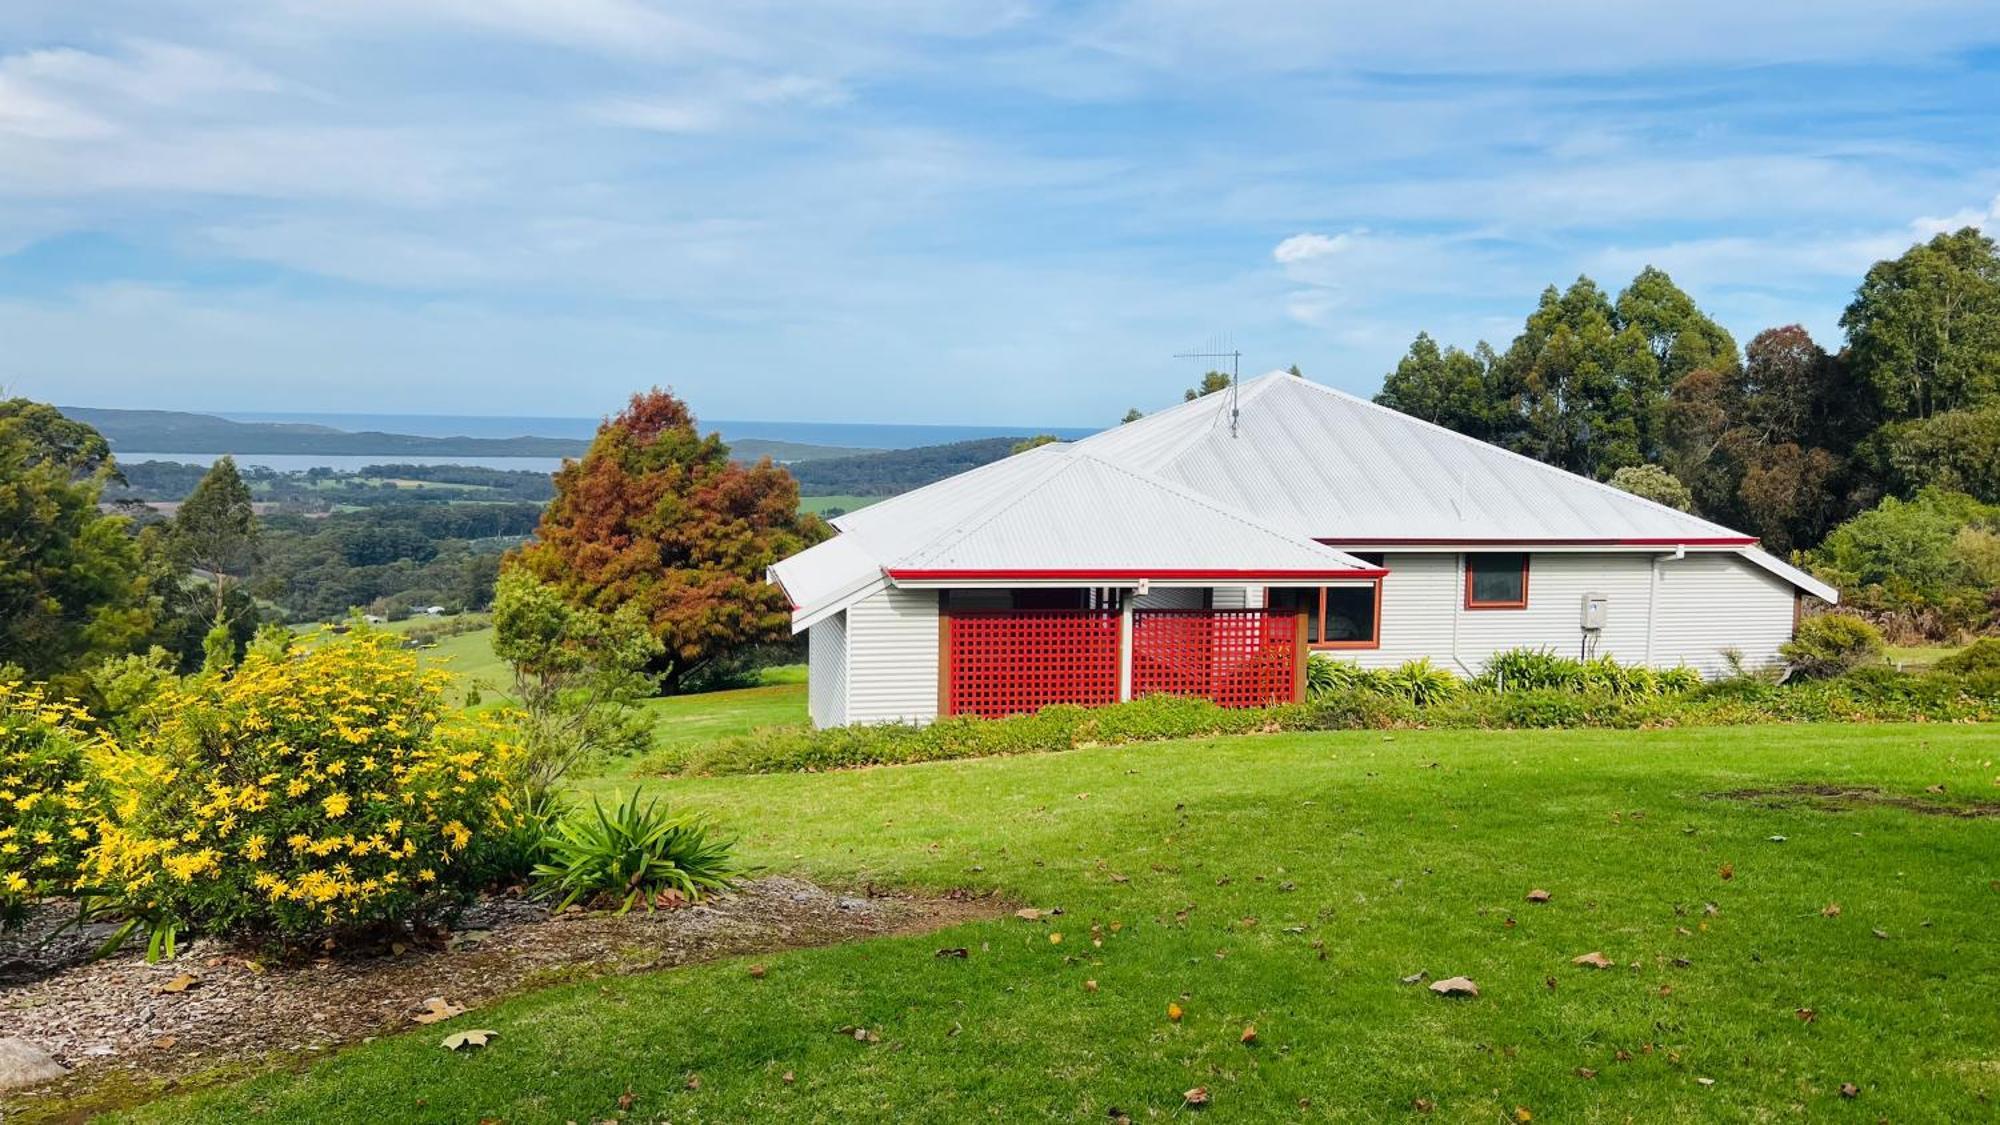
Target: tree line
x: 1783, y: 439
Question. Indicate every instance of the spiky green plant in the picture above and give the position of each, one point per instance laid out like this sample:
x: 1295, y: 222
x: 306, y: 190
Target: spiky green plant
x: 634, y: 853
x: 1422, y: 682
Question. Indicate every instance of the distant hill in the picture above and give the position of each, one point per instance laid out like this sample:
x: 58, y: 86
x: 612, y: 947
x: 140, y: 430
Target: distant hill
x: 894, y: 471
x: 172, y: 431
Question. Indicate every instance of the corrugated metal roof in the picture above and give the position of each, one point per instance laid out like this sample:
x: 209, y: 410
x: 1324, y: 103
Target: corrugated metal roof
x: 1055, y: 511
x: 1332, y: 466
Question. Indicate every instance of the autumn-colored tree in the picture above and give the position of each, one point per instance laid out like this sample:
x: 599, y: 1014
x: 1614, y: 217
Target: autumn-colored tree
x: 657, y: 517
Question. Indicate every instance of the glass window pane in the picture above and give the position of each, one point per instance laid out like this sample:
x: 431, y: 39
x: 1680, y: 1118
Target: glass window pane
x: 1498, y: 578
x: 1350, y: 614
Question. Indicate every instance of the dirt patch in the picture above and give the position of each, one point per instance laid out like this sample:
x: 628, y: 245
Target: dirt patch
x: 115, y: 1024
x: 1845, y: 798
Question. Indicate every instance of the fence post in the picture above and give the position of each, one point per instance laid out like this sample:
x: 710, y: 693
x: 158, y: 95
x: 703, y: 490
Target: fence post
x: 944, y: 663
x: 1300, y: 655
x: 1125, y: 646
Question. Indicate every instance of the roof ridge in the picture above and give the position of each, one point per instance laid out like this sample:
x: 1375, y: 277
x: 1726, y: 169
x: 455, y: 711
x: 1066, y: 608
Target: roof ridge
x: 1212, y: 504
x: 1246, y: 391
x: 959, y: 533
x: 1522, y: 457
x: 977, y: 470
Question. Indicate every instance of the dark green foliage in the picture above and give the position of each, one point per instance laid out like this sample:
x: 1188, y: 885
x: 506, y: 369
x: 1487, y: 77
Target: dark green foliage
x: 1925, y: 567
x: 392, y: 558
x: 632, y: 854
x: 1563, y: 694
x: 1980, y: 657
x: 1957, y: 450
x: 73, y: 587
x: 1211, y: 382
x: 1449, y: 387
x: 215, y: 530
x: 1924, y: 328
x: 896, y: 470
x: 1830, y: 644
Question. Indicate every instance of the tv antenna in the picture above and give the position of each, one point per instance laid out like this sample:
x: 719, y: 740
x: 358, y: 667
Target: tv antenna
x: 1214, y: 349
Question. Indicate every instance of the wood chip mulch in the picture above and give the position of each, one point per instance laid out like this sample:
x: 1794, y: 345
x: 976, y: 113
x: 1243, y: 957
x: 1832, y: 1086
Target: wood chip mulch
x: 123, y: 1014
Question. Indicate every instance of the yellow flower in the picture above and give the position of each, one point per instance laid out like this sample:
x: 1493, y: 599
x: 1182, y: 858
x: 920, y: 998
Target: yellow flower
x: 336, y: 805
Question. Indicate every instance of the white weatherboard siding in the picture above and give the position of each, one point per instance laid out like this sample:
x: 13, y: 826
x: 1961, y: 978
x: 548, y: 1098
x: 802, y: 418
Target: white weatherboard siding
x: 892, y: 657
x: 1171, y: 597
x: 826, y: 671
x: 1709, y: 602
x: 1705, y: 602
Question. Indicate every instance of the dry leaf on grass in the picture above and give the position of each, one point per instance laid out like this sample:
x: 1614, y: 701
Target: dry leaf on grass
x: 1522, y: 1115
x: 1090, y: 986
x: 1728, y: 871
x: 860, y: 1034
x: 626, y: 1099
x: 1196, y: 1097
x: 1416, y: 977
x: 1455, y: 986
x: 1830, y: 910
x: 475, y: 1037
x: 1538, y: 895
x: 1030, y: 914
x: 1849, y: 1090
x: 1174, y: 1012
x: 437, y: 1008
x: 1593, y: 959
x: 1249, y: 1035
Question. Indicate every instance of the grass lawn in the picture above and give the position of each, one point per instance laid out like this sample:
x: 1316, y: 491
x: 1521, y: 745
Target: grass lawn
x: 1290, y: 882
x: 819, y: 504
x: 1915, y: 658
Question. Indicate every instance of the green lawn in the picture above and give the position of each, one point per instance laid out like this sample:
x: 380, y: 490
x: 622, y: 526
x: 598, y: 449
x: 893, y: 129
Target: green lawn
x: 1291, y: 881
x: 1918, y: 657
x: 819, y: 504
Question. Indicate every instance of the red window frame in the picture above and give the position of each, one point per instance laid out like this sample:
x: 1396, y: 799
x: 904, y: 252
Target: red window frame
x: 1318, y: 616
x: 1472, y: 602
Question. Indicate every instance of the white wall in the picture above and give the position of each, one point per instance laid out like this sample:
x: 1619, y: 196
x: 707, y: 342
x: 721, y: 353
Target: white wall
x: 826, y: 671
x: 892, y: 657
x: 1709, y: 602
x: 1703, y: 604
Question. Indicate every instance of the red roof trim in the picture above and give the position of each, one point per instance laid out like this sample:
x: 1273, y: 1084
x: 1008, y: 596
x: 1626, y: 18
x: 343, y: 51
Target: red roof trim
x: 1085, y: 573
x: 1719, y: 541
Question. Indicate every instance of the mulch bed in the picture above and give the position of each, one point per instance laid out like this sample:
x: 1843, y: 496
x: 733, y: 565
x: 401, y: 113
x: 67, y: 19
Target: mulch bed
x: 117, y: 1015
x: 1842, y: 798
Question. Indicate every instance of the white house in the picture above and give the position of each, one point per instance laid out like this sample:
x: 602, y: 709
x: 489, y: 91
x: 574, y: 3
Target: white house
x: 1198, y: 553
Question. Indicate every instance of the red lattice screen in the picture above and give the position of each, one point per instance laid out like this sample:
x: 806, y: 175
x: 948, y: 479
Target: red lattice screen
x: 1236, y: 657
x: 1004, y: 662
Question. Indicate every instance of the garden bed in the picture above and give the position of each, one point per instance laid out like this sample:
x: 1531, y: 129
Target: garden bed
x: 120, y: 1022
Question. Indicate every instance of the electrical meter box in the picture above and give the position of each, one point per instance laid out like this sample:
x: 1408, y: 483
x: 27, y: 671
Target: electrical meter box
x: 1595, y: 608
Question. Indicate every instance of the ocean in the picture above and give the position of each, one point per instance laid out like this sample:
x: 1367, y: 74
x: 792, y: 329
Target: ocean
x: 854, y: 435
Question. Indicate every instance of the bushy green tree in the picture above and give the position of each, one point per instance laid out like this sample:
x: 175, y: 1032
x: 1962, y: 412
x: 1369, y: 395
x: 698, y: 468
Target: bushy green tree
x: 215, y: 531
x: 1447, y: 386
x: 1957, y: 450
x: 1924, y: 328
x: 1934, y: 559
x: 1655, y: 484
x: 577, y: 674
x: 1211, y: 382
x: 73, y: 588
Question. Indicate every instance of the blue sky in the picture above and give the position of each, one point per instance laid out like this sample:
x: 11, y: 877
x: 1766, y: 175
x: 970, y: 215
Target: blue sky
x: 891, y: 210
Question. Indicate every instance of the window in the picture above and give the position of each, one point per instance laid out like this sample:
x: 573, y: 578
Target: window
x: 1496, y: 581
x: 1336, y: 616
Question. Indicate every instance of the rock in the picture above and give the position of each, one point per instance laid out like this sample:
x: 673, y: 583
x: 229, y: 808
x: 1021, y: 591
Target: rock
x: 24, y: 1064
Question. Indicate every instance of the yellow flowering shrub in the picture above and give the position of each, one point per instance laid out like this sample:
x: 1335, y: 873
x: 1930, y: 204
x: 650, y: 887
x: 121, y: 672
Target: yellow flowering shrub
x: 326, y: 789
x: 46, y: 809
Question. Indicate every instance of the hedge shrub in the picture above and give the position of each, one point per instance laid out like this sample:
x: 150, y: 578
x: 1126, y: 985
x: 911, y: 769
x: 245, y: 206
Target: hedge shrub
x: 1831, y: 644
x: 46, y: 804
x: 1873, y: 694
x: 324, y: 791
x: 1982, y: 655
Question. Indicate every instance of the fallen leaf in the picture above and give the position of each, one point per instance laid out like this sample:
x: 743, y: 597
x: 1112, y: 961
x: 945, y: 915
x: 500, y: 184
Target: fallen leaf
x: 1090, y: 986
x: 1728, y: 871
x: 790, y: 1078
x: 1423, y: 1105
x: 757, y: 972
x: 1776, y: 839
x: 1806, y: 1015
x: 693, y: 1082
x: 1585, y: 1072
x: 1415, y: 977
x: 1455, y: 986
x: 1538, y: 895
x: 181, y: 983
x: 1706, y: 1081
x: 860, y: 1034
x: 1196, y: 1097
x: 1593, y: 959
x: 1710, y: 909
x: 474, y: 1037
x: 1055, y: 937
x: 435, y: 1009
x: 1249, y: 1035
x: 1174, y: 1012
x: 1522, y: 1115
x: 1830, y: 910
x: 1880, y: 935
x: 1666, y: 990
x: 626, y: 1099
x: 466, y: 938
x: 1849, y: 1090
x: 1551, y: 982
x: 164, y: 1042
x: 1028, y: 914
